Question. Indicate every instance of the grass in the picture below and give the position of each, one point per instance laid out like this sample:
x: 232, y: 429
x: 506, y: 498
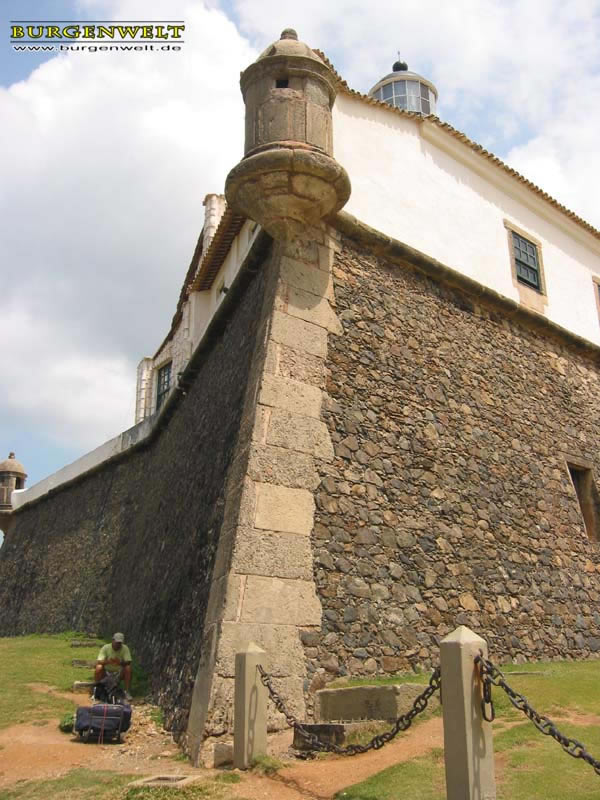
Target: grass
x: 560, y: 685
x: 421, y: 779
x: 79, y: 784
x: 381, y: 680
x: 530, y: 766
x: 228, y: 777
x: 44, y: 659
x: 84, y: 784
x: 267, y: 765
x: 206, y: 789
x: 158, y: 718
x: 366, y: 731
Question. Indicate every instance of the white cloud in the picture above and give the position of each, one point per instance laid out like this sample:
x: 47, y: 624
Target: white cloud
x: 564, y: 158
x: 107, y: 159
x: 49, y: 381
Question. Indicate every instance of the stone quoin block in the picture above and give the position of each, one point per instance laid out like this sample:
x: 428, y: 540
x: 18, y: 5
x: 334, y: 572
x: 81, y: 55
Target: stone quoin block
x: 281, y: 643
x: 300, y: 366
x: 279, y: 601
x: 272, y: 553
x: 308, y: 307
x: 297, y: 333
x: 306, y: 277
x: 293, y: 396
x: 279, y: 508
x: 269, y: 464
x: 300, y: 433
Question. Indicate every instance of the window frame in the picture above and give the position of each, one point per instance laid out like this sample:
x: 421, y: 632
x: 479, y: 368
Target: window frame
x: 162, y: 392
x: 420, y: 87
x: 523, y: 264
x: 586, y: 493
x: 596, y: 285
x: 529, y: 295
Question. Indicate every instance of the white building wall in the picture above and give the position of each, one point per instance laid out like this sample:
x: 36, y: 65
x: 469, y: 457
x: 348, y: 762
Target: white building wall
x: 420, y: 185
x: 114, y: 447
x: 197, y: 312
x: 203, y: 305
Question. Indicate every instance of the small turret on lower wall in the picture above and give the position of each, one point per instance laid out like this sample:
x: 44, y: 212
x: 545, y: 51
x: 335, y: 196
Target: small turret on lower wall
x: 12, y: 476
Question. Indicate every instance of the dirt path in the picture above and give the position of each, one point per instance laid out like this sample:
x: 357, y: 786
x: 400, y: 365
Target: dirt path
x: 40, y: 750
x: 36, y: 751
x: 77, y: 698
x: 323, y: 778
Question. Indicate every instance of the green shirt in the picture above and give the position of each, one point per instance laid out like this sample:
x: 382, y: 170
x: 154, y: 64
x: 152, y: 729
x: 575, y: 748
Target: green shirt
x: 107, y: 652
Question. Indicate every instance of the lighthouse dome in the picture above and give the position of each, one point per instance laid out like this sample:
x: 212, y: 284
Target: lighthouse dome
x: 408, y: 90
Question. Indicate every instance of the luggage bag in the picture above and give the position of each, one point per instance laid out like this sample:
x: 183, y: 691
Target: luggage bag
x: 102, y: 722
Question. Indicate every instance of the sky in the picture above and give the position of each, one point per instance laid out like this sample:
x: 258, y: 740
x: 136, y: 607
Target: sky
x: 106, y: 159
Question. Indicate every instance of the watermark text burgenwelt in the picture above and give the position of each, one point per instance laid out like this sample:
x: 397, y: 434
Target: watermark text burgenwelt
x: 91, y: 32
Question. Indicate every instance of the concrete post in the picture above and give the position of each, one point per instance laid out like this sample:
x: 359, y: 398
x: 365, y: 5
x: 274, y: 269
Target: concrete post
x: 250, y: 707
x: 468, y: 747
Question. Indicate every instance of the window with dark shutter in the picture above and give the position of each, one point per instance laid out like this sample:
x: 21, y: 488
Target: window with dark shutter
x: 163, y: 384
x: 526, y: 261
x: 587, y: 495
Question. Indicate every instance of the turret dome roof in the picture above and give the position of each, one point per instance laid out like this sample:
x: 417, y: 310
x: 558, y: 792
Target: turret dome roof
x: 288, y: 45
x: 11, y: 464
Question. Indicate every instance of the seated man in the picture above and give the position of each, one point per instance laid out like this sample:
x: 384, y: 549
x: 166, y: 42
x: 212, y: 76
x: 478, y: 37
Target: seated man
x: 115, y: 657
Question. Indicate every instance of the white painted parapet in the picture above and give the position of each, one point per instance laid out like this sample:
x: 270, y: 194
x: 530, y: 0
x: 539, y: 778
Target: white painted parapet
x: 114, y: 447
x: 196, y: 312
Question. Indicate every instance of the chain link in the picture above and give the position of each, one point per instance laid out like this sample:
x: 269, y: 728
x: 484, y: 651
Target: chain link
x: 490, y: 674
x: 402, y: 723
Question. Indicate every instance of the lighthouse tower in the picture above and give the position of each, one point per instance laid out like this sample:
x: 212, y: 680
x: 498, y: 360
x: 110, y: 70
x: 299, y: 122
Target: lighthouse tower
x: 407, y: 90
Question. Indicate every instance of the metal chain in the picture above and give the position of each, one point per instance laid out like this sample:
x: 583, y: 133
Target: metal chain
x: 490, y: 674
x: 402, y: 723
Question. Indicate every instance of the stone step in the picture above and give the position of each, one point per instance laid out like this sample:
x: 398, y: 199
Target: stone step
x: 83, y: 662
x: 83, y: 686
x: 328, y: 732
x: 355, y: 703
x: 86, y: 643
x: 176, y: 781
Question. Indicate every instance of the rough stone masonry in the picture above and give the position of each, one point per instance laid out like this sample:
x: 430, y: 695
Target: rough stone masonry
x: 449, y: 500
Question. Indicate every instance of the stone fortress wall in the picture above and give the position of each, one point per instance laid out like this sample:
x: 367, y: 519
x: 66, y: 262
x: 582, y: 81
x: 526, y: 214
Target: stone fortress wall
x: 449, y: 500
x: 365, y: 457
x: 131, y: 544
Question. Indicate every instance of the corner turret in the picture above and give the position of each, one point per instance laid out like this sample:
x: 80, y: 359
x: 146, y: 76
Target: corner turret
x: 288, y: 176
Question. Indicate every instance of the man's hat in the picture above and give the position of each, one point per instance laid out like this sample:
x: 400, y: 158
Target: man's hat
x: 118, y: 637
